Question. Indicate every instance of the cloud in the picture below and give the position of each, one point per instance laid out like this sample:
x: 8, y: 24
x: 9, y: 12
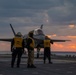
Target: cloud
x: 29, y: 4
x: 58, y: 45
x: 71, y: 26
x: 64, y: 14
x: 57, y: 16
x: 60, y: 12
x: 74, y: 37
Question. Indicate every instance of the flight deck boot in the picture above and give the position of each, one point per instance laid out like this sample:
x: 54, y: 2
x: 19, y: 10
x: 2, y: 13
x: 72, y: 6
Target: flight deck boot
x: 28, y: 66
x: 33, y: 66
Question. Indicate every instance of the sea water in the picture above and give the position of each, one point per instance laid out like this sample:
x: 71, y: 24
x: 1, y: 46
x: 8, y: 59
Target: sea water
x: 56, y: 53
x: 64, y: 53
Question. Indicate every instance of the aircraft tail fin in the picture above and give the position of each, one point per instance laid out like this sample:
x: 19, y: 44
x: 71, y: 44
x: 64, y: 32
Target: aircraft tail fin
x: 41, y: 27
x: 13, y: 30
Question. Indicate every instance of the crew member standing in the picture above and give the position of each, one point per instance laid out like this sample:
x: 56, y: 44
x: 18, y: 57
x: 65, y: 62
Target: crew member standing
x: 47, y: 53
x: 30, y: 47
x: 17, y: 49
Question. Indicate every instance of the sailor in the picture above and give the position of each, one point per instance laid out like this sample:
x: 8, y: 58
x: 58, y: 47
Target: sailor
x: 47, y: 50
x: 17, y: 49
x: 30, y: 47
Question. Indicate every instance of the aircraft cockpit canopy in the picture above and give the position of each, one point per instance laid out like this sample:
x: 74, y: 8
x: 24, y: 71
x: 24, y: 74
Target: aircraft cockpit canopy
x: 38, y: 32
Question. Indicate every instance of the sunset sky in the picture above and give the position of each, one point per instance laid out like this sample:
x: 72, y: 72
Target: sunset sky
x: 57, y: 16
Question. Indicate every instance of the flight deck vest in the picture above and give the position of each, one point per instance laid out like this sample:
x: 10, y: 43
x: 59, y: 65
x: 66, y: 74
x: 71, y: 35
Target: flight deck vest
x: 32, y: 44
x: 46, y: 43
x: 18, y: 42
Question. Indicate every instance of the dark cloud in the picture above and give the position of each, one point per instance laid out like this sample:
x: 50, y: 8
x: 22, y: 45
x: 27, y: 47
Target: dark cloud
x: 18, y: 8
x: 64, y: 14
x: 29, y: 4
x: 59, y: 11
x: 73, y: 2
x: 36, y: 12
x: 16, y: 13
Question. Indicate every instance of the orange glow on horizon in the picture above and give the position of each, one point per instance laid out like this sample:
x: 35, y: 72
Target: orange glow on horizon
x: 54, y: 35
x: 71, y: 36
x: 58, y: 45
x: 4, y: 46
x: 71, y: 26
x: 48, y: 36
x: 65, y: 46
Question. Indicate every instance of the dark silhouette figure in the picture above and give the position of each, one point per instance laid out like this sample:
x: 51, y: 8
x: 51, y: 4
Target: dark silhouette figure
x: 30, y: 47
x: 47, y: 51
x: 17, y: 49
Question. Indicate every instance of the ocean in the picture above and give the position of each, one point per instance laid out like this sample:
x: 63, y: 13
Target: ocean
x: 56, y: 53
x: 64, y: 53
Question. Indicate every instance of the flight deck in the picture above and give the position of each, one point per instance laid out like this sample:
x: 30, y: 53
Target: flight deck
x: 59, y: 67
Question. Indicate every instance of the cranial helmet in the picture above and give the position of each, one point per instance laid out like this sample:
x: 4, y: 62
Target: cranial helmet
x: 46, y: 37
x: 19, y: 34
x: 30, y: 33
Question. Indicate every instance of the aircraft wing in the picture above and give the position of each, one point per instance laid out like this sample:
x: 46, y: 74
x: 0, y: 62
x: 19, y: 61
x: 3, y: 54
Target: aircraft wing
x: 8, y: 40
x: 55, y: 40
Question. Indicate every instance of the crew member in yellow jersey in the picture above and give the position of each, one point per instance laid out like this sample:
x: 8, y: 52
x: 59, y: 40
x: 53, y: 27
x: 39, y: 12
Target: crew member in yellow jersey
x: 30, y: 47
x: 17, y: 49
x: 47, y: 52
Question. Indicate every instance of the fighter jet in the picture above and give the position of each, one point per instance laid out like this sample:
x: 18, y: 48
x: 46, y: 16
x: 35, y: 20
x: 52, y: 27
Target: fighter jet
x: 39, y: 36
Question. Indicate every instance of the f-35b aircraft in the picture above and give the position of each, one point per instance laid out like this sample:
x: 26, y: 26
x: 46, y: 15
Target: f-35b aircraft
x: 39, y: 36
